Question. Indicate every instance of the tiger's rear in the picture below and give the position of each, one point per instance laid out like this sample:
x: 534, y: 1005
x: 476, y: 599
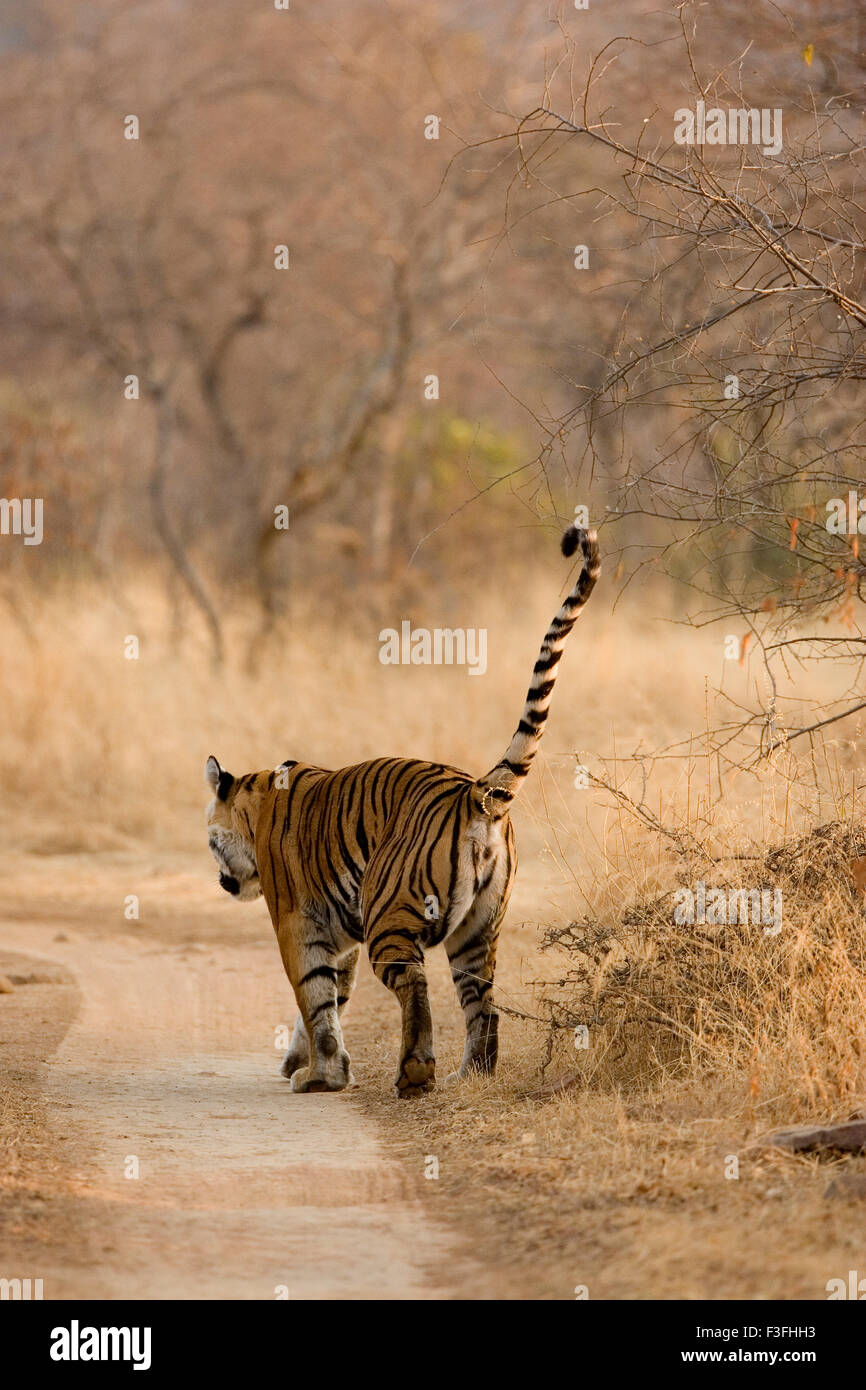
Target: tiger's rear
x: 396, y: 854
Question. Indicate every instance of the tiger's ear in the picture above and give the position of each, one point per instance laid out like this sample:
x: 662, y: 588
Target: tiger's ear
x: 217, y: 778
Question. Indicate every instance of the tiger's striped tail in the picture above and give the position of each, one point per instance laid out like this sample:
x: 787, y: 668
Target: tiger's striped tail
x: 494, y: 792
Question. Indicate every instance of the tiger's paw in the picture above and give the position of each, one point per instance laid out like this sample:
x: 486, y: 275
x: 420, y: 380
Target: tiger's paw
x: 335, y: 1077
x: 417, y: 1076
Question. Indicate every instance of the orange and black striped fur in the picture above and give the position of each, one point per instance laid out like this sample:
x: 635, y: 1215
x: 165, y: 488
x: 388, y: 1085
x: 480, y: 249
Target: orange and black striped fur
x: 396, y: 854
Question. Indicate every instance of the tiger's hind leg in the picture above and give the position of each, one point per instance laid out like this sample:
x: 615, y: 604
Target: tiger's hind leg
x: 399, y: 964
x: 298, y: 1054
x: 472, y: 954
x: 311, y: 957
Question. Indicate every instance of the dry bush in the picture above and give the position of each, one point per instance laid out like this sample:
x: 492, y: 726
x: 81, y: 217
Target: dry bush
x: 782, y: 1015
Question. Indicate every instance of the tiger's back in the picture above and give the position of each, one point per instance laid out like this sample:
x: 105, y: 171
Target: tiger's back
x: 335, y: 844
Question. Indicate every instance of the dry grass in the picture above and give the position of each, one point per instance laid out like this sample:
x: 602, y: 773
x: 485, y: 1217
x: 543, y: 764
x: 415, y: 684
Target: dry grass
x: 101, y: 752
x: 97, y: 751
x: 781, y: 1007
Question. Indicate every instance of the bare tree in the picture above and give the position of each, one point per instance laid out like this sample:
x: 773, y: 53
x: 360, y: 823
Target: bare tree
x: 157, y: 258
x: 730, y: 389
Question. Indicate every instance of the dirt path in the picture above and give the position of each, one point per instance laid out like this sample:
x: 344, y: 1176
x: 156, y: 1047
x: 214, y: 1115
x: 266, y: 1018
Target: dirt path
x: 155, y: 1040
x: 243, y: 1188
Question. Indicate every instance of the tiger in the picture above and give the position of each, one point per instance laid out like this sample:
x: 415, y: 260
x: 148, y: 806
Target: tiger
x: 397, y: 854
